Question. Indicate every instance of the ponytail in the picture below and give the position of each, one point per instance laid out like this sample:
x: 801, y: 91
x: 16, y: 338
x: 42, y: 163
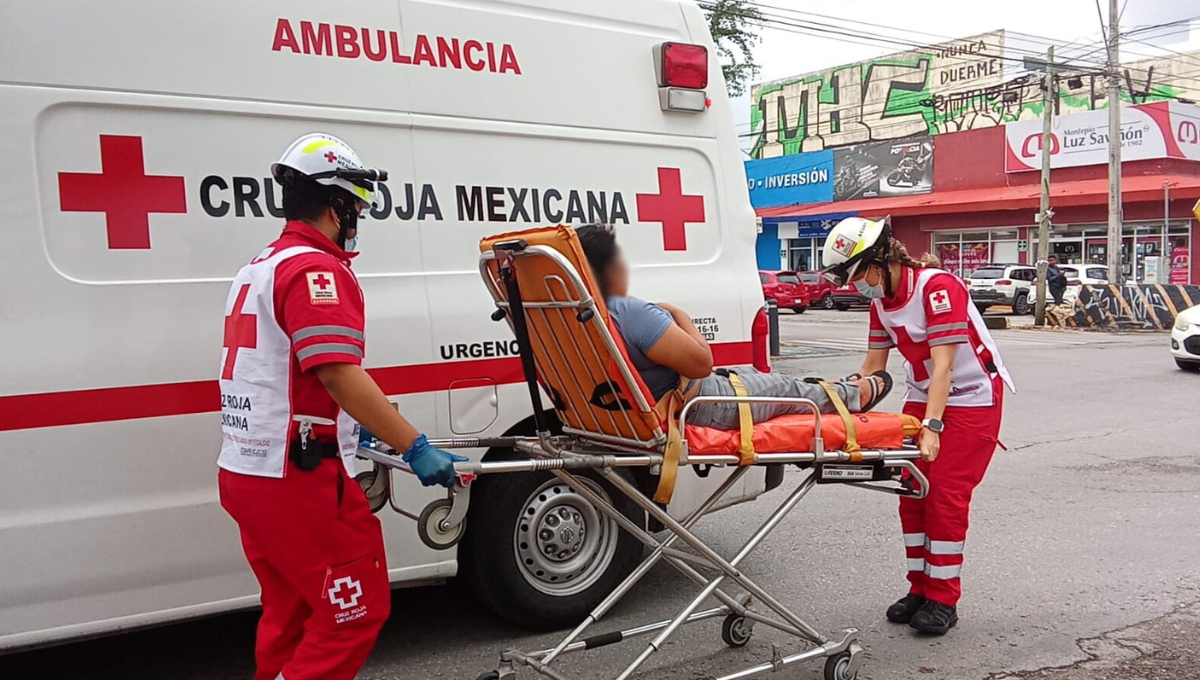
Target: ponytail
x: 899, y: 254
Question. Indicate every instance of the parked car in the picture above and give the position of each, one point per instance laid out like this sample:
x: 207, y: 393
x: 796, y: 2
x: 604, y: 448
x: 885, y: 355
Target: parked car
x: 1079, y: 275
x: 1010, y: 285
x: 1185, y: 339
x: 820, y: 290
x: 785, y: 288
x: 846, y: 297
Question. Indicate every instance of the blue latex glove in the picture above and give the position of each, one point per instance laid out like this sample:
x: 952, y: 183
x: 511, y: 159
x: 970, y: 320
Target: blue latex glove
x: 431, y: 465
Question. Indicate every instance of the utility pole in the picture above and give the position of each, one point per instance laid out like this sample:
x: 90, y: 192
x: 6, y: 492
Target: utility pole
x: 1049, y: 97
x: 1115, y: 211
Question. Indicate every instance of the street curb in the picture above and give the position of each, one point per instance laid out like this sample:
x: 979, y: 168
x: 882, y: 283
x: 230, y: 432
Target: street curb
x: 996, y: 323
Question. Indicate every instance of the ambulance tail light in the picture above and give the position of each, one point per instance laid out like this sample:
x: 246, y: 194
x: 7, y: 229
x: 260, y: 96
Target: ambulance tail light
x: 682, y: 71
x: 1004, y: 282
x: 760, y: 342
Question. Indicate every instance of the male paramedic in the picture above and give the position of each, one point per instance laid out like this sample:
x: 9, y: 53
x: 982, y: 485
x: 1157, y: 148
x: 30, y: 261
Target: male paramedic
x: 293, y: 391
x: 956, y: 384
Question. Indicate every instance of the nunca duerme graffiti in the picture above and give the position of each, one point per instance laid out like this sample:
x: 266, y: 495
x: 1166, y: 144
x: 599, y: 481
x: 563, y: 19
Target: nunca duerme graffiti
x: 962, y: 85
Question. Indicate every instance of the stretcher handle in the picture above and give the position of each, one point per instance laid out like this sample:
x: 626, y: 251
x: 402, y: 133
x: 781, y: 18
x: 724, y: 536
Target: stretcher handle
x: 505, y: 257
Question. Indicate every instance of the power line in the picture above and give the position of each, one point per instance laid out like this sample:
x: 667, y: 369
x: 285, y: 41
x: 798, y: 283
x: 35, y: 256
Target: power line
x: 823, y: 30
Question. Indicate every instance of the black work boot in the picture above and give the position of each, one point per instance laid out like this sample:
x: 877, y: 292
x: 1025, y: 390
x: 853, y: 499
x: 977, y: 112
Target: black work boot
x: 905, y: 607
x: 934, y: 618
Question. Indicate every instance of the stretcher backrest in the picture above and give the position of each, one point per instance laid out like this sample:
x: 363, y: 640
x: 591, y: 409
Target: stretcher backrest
x: 579, y: 355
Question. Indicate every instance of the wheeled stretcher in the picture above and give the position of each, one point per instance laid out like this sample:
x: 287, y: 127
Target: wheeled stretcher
x: 571, y: 352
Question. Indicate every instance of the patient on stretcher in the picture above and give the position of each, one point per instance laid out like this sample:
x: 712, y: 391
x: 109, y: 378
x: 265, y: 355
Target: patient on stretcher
x: 663, y: 345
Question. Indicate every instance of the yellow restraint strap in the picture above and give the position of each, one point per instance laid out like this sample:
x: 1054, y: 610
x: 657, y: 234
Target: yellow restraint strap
x: 746, y: 420
x: 668, y: 411
x: 851, y: 446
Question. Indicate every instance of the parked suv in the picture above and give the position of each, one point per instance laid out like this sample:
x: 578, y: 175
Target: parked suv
x: 820, y: 290
x: 1003, y: 284
x: 785, y: 288
x: 1079, y: 275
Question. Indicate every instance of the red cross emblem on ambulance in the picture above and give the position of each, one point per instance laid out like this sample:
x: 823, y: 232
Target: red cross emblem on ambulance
x: 671, y: 207
x: 123, y: 192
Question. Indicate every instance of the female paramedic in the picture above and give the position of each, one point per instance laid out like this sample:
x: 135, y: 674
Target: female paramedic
x: 956, y: 383
x: 663, y: 344
x: 293, y: 391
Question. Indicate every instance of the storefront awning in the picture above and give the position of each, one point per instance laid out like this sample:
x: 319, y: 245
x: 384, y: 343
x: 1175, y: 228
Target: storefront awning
x: 1062, y: 194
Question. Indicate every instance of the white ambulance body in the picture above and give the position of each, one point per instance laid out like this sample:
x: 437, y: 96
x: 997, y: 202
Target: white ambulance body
x: 137, y: 140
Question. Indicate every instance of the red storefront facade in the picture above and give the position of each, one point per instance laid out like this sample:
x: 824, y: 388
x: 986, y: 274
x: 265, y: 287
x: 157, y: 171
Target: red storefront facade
x: 979, y: 213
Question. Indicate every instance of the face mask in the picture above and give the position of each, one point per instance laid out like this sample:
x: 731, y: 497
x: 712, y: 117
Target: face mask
x: 867, y: 290
x: 351, y: 245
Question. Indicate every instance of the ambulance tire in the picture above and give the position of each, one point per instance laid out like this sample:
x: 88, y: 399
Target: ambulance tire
x: 506, y: 578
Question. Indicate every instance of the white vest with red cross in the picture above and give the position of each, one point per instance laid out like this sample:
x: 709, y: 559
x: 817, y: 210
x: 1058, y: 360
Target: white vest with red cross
x: 256, y: 405
x: 976, y: 362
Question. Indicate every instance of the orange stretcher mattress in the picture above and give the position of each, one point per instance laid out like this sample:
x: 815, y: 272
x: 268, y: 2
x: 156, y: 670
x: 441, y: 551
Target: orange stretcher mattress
x: 794, y: 433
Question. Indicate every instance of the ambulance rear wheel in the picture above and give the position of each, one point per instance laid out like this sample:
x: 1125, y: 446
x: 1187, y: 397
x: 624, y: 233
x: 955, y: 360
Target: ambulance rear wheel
x: 538, y: 554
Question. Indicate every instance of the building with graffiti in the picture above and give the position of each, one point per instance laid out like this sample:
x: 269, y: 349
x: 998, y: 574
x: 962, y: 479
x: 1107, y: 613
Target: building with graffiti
x: 947, y: 140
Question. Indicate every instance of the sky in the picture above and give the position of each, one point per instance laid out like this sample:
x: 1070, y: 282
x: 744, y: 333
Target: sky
x: 782, y: 53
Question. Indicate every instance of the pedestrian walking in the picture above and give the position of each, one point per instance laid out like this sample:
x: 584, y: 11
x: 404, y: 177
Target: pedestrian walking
x: 1056, y: 281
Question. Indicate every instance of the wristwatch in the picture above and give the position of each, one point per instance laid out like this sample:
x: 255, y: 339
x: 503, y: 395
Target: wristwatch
x: 933, y: 425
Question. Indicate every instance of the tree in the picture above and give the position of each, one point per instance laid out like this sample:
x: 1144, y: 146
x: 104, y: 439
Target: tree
x: 732, y: 24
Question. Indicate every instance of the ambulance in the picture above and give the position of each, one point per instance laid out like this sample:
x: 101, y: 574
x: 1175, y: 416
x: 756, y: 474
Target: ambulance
x: 139, y: 136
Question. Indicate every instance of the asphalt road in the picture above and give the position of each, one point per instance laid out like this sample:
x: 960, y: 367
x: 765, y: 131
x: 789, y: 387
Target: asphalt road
x: 1081, y: 562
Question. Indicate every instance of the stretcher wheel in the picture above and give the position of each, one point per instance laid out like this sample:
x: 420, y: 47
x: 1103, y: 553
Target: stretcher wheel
x: 735, y: 632
x: 838, y: 667
x: 366, y: 481
x: 490, y: 675
x: 429, y: 526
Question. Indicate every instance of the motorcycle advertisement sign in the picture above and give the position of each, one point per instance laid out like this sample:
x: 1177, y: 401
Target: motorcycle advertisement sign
x: 902, y: 167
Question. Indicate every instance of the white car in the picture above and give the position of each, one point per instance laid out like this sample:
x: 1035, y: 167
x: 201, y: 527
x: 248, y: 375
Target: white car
x: 1003, y: 284
x: 1079, y: 275
x: 1185, y: 339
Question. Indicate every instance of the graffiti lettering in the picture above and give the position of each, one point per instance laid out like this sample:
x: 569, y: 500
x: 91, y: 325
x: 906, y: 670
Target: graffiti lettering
x: 1131, y: 307
x: 940, y: 89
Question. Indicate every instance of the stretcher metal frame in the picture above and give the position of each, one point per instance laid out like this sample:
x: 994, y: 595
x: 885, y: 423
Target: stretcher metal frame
x: 440, y: 525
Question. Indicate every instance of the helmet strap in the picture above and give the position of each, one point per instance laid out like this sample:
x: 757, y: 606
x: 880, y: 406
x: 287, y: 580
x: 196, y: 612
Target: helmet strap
x: 347, y: 214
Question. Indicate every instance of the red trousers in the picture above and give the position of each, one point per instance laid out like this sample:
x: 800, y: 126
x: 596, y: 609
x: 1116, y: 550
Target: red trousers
x: 318, y: 554
x: 935, y: 527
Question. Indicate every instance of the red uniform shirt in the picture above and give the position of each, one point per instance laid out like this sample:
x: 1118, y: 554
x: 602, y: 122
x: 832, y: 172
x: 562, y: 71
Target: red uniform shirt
x: 319, y: 305
x: 944, y: 315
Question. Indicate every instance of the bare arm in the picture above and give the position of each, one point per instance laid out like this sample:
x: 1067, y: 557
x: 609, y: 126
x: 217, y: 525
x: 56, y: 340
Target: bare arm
x: 682, y: 348
x: 876, y: 360
x: 358, y: 395
x: 939, y: 391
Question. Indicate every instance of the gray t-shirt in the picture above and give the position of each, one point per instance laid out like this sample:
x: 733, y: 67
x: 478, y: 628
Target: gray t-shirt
x: 641, y: 324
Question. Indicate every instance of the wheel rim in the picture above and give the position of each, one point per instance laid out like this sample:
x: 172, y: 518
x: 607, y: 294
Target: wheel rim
x: 827, y: 302
x: 563, y: 543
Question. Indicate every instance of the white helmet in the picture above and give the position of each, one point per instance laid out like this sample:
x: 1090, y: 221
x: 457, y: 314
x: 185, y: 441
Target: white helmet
x: 329, y: 161
x: 853, y: 243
